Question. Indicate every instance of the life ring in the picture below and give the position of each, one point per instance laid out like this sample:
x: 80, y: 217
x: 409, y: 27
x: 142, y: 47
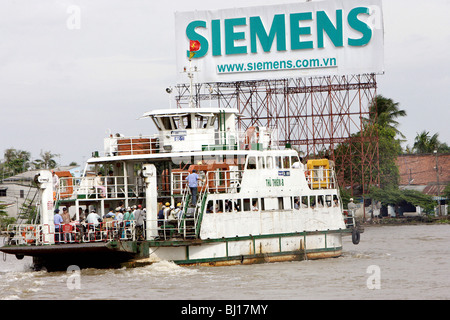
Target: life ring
x: 28, y: 230
x: 355, y: 236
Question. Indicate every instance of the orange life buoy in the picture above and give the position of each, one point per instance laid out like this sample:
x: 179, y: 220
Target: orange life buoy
x: 26, y: 231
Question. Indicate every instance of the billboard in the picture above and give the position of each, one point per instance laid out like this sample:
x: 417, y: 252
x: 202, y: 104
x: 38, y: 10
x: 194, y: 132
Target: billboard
x: 281, y: 41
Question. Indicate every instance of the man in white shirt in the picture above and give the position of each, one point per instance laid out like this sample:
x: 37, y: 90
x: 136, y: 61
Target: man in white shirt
x: 93, y: 218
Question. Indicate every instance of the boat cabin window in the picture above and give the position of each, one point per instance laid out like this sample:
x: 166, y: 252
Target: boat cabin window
x: 312, y: 201
x: 251, y: 163
x: 157, y: 123
x: 328, y: 201
x: 186, y: 120
x: 247, y: 205
x: 304, y: 202
x: 261, y: 163
x: 278, y: 164
x: 286, y: 163
x: 269, y: 162
x: 320, y: 201
x: 201, y: 121
x: 167, y: 123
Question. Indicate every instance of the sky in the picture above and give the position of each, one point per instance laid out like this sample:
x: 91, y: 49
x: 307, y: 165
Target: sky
x: 73, y: 71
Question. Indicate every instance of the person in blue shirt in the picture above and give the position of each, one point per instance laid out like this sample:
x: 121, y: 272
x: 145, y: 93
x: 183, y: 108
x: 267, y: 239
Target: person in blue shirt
x: 57, y: 220
x: 192, y: 180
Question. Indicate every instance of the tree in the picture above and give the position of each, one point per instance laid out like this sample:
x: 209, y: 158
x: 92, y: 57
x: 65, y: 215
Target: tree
x: 382, y: 122
x: 423, y: 143
x: 46, y: 161
x: 16, y: 161
x: 386, y: 112
x: 395, y: 196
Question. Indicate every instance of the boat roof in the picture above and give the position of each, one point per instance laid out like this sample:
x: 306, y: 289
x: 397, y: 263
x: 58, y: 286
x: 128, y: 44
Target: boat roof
x: 188, y: 154
x: 184, y: 111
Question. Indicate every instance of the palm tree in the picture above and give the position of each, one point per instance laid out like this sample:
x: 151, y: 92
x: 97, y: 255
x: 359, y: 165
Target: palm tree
x: 386, y: 112
x: 423, y: 143
x: 16, y: 161
x: 46, y: 161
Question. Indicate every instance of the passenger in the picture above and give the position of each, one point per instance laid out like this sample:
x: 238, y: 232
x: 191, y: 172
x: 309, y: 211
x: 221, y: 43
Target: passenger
x: 111, y: 214
x: 140, y: 222
x: 98, y: 183
x: 161, y: 216
x: 297, y: 204
x: 128, y: 215
x: 93, y: 219
x: 166, y: 211
x: 57, y: 219
x: 192, y: 180
x: 65, y: 216
x: 172, y: 217
x: 255, y: 206
x: 179, y: 211
x: 55, y: 180
x: 119, y: 216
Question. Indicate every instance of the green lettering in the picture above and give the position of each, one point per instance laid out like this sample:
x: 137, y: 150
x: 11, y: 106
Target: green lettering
x: 193, y: 35
x: 257, y: 30
x: 334, y: 33
x: 231, y: 36
x: 360, y: 26
x: 297, y: 31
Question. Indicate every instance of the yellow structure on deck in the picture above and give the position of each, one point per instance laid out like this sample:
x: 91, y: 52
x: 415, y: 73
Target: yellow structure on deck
x: 319, y: 173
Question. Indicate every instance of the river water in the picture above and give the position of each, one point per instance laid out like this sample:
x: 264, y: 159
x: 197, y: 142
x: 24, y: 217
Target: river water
x: 390, y: 262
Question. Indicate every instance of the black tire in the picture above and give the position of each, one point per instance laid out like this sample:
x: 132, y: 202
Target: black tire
x: 355, y: 236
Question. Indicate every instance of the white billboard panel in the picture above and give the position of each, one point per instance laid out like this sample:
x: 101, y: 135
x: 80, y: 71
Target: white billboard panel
x: 282, y: 41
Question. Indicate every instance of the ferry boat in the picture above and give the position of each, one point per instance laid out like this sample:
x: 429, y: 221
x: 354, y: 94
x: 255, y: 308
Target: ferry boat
x: 256, y: 201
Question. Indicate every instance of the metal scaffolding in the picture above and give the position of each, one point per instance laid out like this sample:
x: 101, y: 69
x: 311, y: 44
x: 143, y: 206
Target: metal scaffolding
x: 318, y: 116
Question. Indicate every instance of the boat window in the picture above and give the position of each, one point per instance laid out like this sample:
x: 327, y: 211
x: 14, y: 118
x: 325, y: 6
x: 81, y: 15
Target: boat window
x: 335, y: 201
x: 255, y: 206
x: 294, y: 159
x: 210, y: 206
x: 312, y: 201
x: 286, y: 164
x: 251, y: 164
x: 186, y: 120
x: 156, y: 122
x: 304, y: 203
x: 166, y: 123
x: 201, y: 121
x: 261, y: 163
x: 278, y: 164
x: 237, y: 205
x: 296, y: 203
x: 328, y: 200
x: 263, y: 206
x: 269, y: 163
x: 176, y: 122
x: 280, y: 203
x: 247, y: 205
x: 320, y: 202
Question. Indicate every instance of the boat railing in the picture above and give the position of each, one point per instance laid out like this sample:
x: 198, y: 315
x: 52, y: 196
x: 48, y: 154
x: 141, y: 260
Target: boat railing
x: 204, y: 141
x: 35, y: 234
x: 321, y: 178
x: 112, y: 187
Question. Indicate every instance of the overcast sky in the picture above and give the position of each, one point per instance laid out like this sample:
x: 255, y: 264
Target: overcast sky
x: 62, y: 89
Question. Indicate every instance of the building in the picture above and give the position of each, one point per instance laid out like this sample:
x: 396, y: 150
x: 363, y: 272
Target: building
x: 418, y: 172
x: 17, y: 190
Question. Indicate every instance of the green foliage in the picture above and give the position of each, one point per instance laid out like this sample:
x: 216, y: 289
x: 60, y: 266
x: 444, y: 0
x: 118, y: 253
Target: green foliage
x: 4, y: 218
x: 395, y: 196
x: 424, y: 143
